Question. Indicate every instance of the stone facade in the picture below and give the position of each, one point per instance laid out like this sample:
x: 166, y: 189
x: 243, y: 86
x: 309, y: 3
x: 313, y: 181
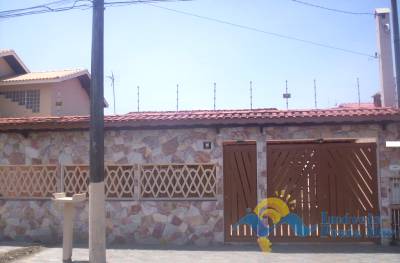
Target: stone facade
x: 179, y: 222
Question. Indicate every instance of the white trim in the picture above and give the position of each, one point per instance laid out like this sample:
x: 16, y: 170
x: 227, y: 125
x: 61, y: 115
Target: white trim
x: 393, y: 144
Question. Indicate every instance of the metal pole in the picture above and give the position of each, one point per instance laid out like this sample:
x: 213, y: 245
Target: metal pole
x: 113, y: 88
x: 251, y: 95
x: 315, y: 94
x: 138, y: 102
x: 396, y: 39
x: 287, y: 99
x: 177, y: 97
x: 97, y: 235
x: 215, y: 91
x: 358, y: 92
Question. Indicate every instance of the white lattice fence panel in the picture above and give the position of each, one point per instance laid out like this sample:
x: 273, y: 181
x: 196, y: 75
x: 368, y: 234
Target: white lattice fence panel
x: 119, y: 180
x: 28, y: 181
x: 178, y: 181
x: 75, y: 179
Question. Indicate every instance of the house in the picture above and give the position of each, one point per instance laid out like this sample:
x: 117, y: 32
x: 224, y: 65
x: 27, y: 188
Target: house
x: 186, y: 177
x: 50, y: 93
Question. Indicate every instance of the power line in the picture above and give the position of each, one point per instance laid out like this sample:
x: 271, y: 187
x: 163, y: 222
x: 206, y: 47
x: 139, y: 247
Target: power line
x: 332, y: 9
x: 130, y: 2
x: 314, y: 43
x: 46, y: 9
x: 46, y: 6
x: 77, y: 4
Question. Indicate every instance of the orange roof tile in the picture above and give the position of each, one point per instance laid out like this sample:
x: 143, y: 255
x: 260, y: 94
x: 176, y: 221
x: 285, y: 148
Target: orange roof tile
x: 221, y: 118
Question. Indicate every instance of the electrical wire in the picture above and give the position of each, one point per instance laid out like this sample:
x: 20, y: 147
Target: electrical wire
x: 45, y: 8
x: 332, y: 9
x: 77, y: 4
x: 266, y: 32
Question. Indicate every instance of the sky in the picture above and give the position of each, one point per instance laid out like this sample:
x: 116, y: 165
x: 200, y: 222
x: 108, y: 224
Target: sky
x: 157, y: 49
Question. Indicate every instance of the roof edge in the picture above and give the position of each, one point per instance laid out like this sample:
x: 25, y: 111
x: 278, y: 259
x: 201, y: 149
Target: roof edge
x: 124, y: 122
x: 77, y: 74
x: 11, y: 52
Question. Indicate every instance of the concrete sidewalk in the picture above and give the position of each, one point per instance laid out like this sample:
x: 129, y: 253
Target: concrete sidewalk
x: 229, y: 254
x: 9, y: 246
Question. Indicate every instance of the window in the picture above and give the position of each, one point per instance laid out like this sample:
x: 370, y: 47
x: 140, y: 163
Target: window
x: 33, y: 100
x: 29, y: 98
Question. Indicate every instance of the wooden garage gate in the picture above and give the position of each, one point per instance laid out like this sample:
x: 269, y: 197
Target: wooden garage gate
x: 240, y: 187
x: 339, y: 178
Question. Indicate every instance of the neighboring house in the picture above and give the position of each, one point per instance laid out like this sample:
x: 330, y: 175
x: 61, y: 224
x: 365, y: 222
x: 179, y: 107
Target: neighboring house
x: 49, y: 93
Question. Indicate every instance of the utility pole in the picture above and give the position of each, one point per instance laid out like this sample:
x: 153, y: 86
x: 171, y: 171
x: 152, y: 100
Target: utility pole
x: 251, y: 95
x: 396, y: 47
x: 97, y: 235
x: 113, y: 88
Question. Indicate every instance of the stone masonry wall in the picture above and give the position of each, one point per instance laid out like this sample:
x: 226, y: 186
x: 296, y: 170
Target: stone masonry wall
x: 178, y: 222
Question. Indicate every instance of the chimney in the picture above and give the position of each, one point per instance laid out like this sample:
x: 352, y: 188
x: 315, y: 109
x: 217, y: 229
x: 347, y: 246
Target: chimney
x: 387, y: 80
x: 377, y: 100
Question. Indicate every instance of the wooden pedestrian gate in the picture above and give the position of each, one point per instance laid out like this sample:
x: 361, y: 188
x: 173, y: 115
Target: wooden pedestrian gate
x: 240, y: 188
x: 339, y: 178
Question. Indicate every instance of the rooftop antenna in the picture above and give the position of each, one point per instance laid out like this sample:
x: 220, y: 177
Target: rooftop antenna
x: 251, y: 95
x: 315, y: 94
x: 138, y: 101
x: 358, y: 92
x: 287, y: 96
x: 215, y: 94
x: 112, y: 78
x: 177, y: 97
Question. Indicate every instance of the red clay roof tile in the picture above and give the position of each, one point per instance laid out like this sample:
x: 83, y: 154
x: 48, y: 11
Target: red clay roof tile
x: 207, y: 117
